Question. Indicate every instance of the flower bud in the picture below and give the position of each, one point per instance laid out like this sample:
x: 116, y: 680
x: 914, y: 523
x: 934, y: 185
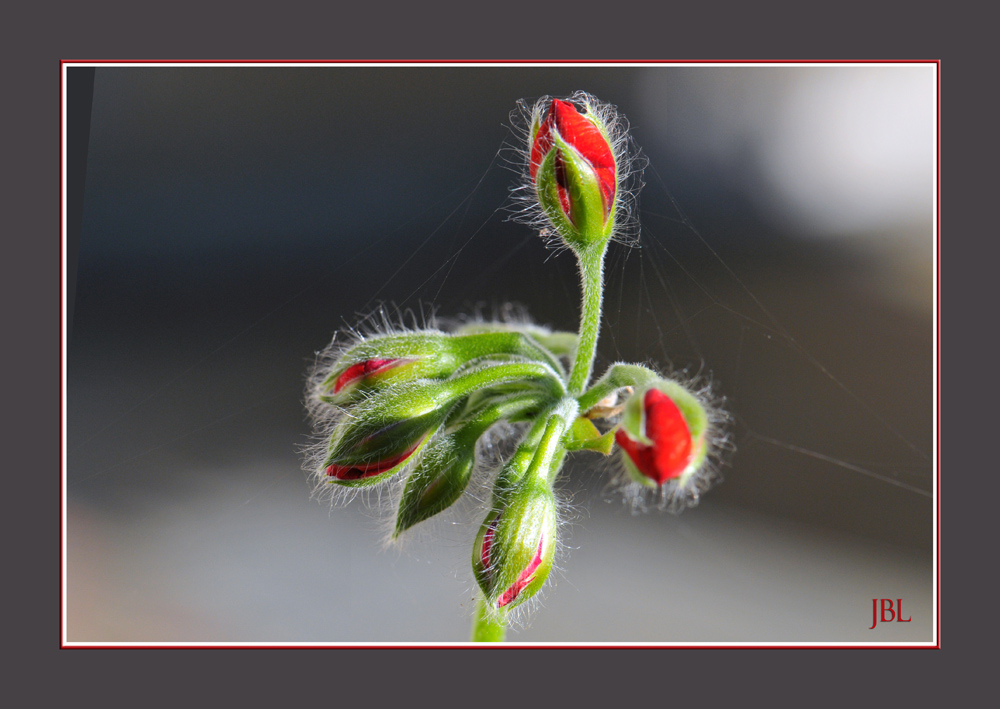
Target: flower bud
x: 513, y: 553
x: 366, y: 370
x: 380, y: 362
x: 662, y: 434
x: 390, y: 359
x: 382, y: 433
x: 438, y: 480
x: 573, y: 168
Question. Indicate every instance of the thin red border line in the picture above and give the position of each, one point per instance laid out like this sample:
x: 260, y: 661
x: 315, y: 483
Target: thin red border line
x: 62, y: 313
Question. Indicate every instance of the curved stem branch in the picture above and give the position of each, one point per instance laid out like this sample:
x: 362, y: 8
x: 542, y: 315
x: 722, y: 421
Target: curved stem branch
x: 501, y: 374
x: 617, y: 376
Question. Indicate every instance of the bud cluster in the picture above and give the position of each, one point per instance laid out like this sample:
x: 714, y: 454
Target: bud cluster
x: 414, y: 406
x: 421, y: 400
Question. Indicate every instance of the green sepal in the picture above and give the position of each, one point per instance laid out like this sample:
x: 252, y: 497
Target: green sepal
x: 559, y: 343
x: 489, y: 341
x: 547, y: 189
x: 444, y: 470
x: 584, y: 435
x: 586, y: 200
x: 508, y: 375
x: 438, y: 480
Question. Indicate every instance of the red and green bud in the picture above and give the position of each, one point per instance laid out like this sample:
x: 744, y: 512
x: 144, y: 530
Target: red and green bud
x: 662, y: 434
x: 380, y: 362
x: 366, y: 371
x: 513, y: 553
x: 383, y: 433
x: 573, y: 168
x: 380, y: 434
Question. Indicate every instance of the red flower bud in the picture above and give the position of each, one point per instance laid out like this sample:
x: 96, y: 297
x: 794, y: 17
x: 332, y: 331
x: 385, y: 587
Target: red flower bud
x: 671, y: 450
x: 580, y: 132
x: 368, y: 469
x: 513, y: 553
x: 527, y: 574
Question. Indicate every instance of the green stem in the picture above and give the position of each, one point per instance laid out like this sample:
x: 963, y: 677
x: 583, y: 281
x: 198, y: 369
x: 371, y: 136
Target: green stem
x: 491, y: 412
x: 487, y: 628
x: 483, y: 344
x: 501, y: 374
x: 618, y: 376
x: 592, y: 279
x: 550, y: 447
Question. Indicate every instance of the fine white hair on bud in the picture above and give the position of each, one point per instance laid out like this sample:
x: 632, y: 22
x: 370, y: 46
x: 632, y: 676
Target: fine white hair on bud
x: 629, y: 161
x: 385, y: 320
x: 678, y: 494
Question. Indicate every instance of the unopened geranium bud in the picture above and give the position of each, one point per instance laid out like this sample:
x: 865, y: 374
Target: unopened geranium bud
x: 573, y: 168
x: 662, y: 434
x: 439, y: 478
x: 379, y: 362
x: 513, y: 553
x: 380, y: 435
x: 386, y: 360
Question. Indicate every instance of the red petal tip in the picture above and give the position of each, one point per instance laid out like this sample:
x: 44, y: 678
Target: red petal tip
x: 362, y: 370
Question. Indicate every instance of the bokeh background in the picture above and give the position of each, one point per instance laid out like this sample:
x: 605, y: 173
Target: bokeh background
x: 234, y: 217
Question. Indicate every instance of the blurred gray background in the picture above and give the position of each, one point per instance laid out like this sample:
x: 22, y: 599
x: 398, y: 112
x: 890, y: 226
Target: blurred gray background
x: 234, y: 218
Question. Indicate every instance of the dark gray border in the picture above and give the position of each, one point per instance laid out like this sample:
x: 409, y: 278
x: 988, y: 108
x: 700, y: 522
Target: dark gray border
x: 653, y: 677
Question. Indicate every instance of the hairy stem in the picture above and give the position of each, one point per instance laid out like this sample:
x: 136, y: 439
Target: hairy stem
x: 551, y: 447
x: 592, y: 279
x: 487, y: 628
